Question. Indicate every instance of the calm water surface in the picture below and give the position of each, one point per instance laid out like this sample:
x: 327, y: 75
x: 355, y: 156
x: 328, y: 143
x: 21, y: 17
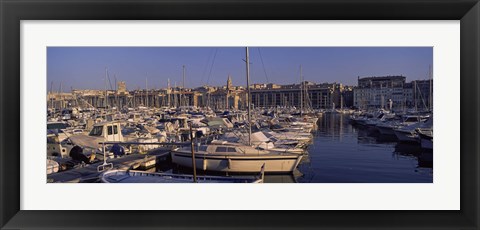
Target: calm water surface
x: 342, y: 153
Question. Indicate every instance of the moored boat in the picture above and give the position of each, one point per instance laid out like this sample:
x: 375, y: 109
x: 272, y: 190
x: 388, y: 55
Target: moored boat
x: 426, y: 138
x: 132, y: 176
x: 236, y: 158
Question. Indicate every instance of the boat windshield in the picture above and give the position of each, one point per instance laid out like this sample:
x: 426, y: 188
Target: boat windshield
x: 96, y: 131
x: 57, y: 126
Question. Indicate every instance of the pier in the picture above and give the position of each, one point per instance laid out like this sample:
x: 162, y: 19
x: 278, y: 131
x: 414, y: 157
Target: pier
x: 89, y: 172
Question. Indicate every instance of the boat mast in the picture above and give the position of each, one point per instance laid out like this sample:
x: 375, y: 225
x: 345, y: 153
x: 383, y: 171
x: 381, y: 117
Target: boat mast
x: 51, y: 96
x: 430, y: 96
x: 194, y: 167
x: 183, y: 103
x: 146, y: 90
x: 248, y: 99
x: 415, y: 95
x: 301, y: 91
x: 61, y: 96
x: 106, y: 100
x: 117, y: 102
x: 168, y: 93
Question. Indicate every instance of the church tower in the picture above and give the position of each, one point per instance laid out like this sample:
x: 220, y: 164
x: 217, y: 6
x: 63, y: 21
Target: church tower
x: 229, y: 83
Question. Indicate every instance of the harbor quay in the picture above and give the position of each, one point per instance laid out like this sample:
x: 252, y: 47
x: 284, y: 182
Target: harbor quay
x: 369, y: 93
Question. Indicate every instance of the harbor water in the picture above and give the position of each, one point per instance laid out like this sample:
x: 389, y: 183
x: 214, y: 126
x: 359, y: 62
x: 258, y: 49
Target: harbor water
x: 345, y: 153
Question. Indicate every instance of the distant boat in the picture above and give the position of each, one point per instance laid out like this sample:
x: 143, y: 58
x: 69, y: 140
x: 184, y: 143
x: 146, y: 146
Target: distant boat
x: 408, y: 133
x: 131, y: 176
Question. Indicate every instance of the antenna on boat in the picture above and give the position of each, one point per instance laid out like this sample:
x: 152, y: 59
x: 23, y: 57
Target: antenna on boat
x: 248, y: 99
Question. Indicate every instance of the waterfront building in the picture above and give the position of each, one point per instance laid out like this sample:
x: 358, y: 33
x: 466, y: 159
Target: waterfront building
x: 227, y: 97
x: 347, y: 97
x: 371, y: 92
x: 377, y: 92
x: 315, y: 96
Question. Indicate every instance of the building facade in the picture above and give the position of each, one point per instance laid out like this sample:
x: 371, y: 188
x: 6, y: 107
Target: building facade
x: 311, y: 95
x: 378, y: 92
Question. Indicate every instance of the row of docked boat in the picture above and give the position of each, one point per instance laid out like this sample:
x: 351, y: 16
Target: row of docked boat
x: 411, y: 128
x: 231, y: 142
x: 234, y: 147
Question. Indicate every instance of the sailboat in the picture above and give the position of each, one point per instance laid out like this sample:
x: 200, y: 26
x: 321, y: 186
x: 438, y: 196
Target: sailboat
x: 236, y: 157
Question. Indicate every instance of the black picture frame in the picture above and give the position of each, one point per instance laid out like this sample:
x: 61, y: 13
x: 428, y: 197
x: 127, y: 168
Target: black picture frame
x: 13, y: 11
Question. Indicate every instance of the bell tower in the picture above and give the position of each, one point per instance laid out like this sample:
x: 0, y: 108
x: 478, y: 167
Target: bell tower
x: 229, y: 83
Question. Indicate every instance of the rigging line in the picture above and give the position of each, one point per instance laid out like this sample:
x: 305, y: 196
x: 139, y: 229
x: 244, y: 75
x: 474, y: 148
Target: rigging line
x: 108, y: 77
x: 263, y: 65
x: 211, y: 67
x: 206, y: 64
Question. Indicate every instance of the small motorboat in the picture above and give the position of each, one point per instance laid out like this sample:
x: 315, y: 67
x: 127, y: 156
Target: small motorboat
x: 132, y: 176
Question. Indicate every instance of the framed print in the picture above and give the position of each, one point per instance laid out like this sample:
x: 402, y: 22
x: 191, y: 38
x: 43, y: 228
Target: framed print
x: 205, y: 80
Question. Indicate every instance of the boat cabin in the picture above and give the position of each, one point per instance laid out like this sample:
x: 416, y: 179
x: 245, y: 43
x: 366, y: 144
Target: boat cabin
x: 111, y: 131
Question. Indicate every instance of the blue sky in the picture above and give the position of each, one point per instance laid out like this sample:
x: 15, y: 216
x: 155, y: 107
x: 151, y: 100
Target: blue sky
x: 84, y: 67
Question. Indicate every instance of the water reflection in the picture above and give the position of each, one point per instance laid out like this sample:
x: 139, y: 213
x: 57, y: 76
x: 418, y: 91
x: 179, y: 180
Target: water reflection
x: 342, y: 153
x: 424, y: 157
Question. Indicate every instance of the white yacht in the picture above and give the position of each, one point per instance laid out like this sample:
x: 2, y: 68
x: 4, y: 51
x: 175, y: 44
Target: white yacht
x: 235, y: 157
x: 408, y: 133
x: 388, y: 127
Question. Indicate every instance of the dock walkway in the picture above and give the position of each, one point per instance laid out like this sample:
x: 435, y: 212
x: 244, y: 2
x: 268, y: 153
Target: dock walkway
x: 89, y: 173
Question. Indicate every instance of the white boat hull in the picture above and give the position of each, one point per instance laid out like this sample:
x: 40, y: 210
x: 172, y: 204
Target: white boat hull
x: 240, y: 164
